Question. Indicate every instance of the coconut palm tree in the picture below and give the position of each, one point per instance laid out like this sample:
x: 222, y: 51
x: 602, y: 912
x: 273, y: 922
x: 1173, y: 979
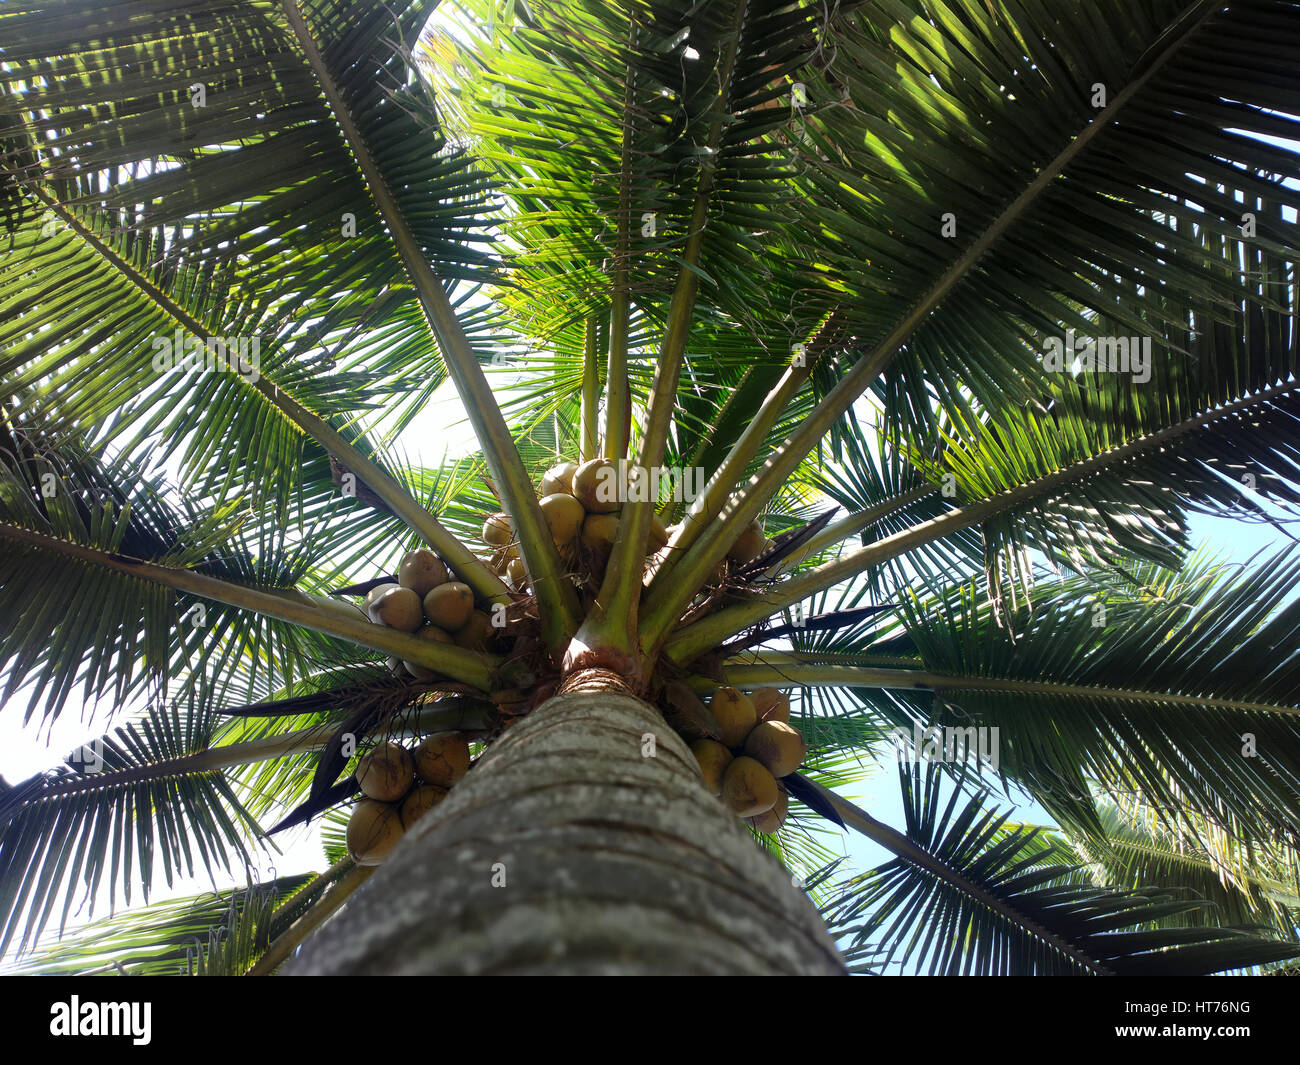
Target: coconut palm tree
x: 954, y: 313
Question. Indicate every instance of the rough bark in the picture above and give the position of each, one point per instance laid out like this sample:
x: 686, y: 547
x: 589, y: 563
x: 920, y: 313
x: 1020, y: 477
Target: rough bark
x: 568, y: 850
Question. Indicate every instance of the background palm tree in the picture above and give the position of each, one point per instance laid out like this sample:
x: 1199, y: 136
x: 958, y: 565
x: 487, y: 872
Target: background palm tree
x: 816, y: 251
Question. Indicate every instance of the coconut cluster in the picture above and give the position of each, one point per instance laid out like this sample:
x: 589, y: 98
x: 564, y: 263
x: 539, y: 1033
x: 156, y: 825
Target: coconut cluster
x: 756, y: 746
x: 425, y: 601
x: 582, y: 505
x: 400, y: 787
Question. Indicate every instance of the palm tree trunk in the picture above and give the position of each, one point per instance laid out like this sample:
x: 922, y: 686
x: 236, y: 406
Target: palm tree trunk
x: 583, y: 842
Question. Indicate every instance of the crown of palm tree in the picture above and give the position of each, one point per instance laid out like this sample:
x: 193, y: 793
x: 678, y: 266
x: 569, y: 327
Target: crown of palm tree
x: 811, y: 252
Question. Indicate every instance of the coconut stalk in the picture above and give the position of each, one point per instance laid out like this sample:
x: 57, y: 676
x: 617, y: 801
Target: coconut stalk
x: 851, y: 525
x: 590, y: 432
x: 746, y: 503
x: 708, y: 504
x: 467, y: 566
x: 894, y: 841
x: 321, y: 910
x: 789, y: 671
x: 557, y: 602
x: 618, y: 395
x: 310, y: 612
x: 611, y: 625
x: 716, y: 628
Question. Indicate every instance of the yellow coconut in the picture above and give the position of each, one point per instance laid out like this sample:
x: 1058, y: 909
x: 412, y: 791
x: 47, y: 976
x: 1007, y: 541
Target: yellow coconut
x: 497, y: 531
x: 398, y: 608
x: 373, y: 596
x: 749, y: 545
x: 599, y: 532
x: 714, y: 759
x: 596, y: 486
x: 771, y: 820
x: 442, y: 759
x: 421, y: 571
x: 517, y: 572
x: 449, y: 605
x: 735, y: 715
x: 771, y: 704
x: 477, y: 634
x: 777, y: 745
x: 564, y: 515
x: 373, y: 830
x: 559, y: 478
x: 386, y: 773
x: 420, y: 801
x: 748, y: 788
x: 434, y: 635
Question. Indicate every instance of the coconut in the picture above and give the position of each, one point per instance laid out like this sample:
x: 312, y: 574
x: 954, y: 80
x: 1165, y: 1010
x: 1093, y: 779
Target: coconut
x: 749, y: 545
x: 564, y: 515
x: 449, y: 605
x: 386, y: 773
x: 373, y: 830
x: 714, y: 759
x: 421, y: 571
x: 748, y: 788
x: 442, y: 759
x: 434, y: 635
x: 596, y: 486
x: 420, y: 801
x: 777, y: 746
x: 771, y: 704
x: 373, y: 595
x: 559, y: 478
x: 398, y: 608
x: 497, y: 531
x: 771, y: 820
x: 477, y: 634
x: 599, y: 532
x: 735, y: 715
x: 517, y: 572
